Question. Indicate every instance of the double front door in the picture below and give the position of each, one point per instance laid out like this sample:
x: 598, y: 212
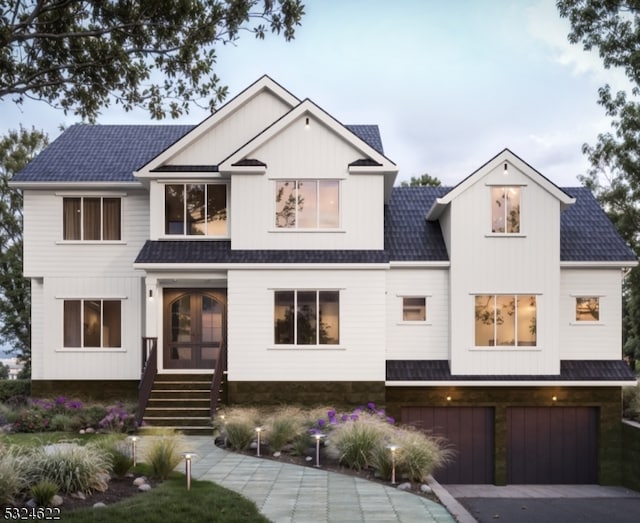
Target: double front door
x: 194, y: 327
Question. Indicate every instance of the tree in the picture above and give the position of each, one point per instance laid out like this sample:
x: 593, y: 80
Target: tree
x: 612, y: 27
x: 4, y: 371
x: 424, y: 180
x: 83, y: 55
x: 17, y: 149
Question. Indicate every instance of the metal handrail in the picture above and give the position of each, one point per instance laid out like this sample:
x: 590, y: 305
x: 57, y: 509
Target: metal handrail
x: 149, y: 372
x: 216, y: 382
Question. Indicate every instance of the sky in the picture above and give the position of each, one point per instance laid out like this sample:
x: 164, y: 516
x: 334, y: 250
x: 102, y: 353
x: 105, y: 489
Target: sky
x: 450, y: 83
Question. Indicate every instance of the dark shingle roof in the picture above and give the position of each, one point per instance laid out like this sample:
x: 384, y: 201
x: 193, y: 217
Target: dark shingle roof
x: 100, y: 153
x: 408, y: 236
x: 570, y: 370
x: 215, y: 251
x: 587, y: 234
x: 110, y: 153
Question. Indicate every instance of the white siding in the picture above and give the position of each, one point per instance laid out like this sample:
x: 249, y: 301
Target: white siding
x: 253, y: 356
x: 485, y: 264
x: 87, y: 364
x: 234, y: 131
x: 46, y: 255
x: 37, y: 330
x: 602, y: 340
x: 313, y: 153
x: 418, y: 341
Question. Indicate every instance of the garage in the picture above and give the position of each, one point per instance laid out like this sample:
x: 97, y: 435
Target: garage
x: 552, y: 445
x: 470, y: 432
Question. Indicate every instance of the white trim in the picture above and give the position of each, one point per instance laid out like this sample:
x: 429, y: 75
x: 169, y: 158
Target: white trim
x: 77, y: 186
x: 481, y: 383
x: 505, y: 235
x: 592, y: 323
x: 90, y: 194
x: 90, y: 298
x: 91, y: 349
x: 290, y: 347
x: 597, y: 264
x: 90, y: 242
x: 174, y: 267
x: 420, y: 264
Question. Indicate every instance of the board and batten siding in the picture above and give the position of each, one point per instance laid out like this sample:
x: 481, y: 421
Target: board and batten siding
x: 252, y: 354
x: 418, y: 340
x: 234, y: 131
x: 485, y: 264
x: 54, y: 362
x: 591, y: 340
x: 307, y: 153
x: 45, y: 253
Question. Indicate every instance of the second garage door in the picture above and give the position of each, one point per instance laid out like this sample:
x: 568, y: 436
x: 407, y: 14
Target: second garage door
x: 470, y: 432
x: 552, y: 445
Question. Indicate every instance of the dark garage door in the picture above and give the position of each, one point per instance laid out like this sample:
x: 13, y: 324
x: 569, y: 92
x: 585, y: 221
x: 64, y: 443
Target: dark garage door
x: 469, y: 430
x: 553, y: 445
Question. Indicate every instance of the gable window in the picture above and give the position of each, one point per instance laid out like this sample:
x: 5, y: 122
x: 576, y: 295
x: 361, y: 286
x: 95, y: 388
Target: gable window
x: 307, y: 204
x: 505, y: 320
x: 505, y: 210
x: 303, y: 317
x: 414, y: 309
x: 195, y: 209
x: 92, y: 324
x: 587, y: 308
x: 91, y: 219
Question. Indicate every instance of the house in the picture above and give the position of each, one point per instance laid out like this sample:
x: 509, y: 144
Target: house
x: 264, y: 256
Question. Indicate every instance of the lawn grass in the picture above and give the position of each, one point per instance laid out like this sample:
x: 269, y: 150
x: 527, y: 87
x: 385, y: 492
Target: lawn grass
x: 170, y: 502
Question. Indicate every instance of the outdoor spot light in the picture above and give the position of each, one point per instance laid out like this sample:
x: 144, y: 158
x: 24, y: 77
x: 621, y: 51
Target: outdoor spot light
x: 134, y: 441
x: 258, y: 430
x: 188, y: 456
x: 506, y: 170
x: 393, y: 449
x: 306, y: 122
x: 318, y: 436
x: 448, y: 398
x: 554, y: 398
x: 151, y: 294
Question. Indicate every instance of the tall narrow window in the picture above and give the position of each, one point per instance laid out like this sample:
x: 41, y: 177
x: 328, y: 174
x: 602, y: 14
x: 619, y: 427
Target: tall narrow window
x: 505, y: 210
x: 505, y: 320
x: 91, y: 219
x: 307, y: 317
x: 195, y: 209
x: 92, y: 323
x: 308, y: 204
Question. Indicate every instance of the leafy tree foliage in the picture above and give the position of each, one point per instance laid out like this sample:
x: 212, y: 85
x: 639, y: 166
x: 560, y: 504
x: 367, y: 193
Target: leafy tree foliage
x: 612, y: 27
x: 425, y: 179
x: 83, y: 55
x: 4, y: 371
x: 17, y: 149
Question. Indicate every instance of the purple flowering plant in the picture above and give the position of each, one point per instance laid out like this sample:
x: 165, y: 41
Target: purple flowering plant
x: 333, y: 418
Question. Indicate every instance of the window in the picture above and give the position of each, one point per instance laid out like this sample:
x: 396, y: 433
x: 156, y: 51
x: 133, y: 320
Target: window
x: 308, y: 204
x: 307, y: 317
x: 193, y: 209
x: 414, y: 309
x: 505, y: 320
x: 505, y: 210
x: 92, y: 323
x: 91, y: 219
x: 588, y: 308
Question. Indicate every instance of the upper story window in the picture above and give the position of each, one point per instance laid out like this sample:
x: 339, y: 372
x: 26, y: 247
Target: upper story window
x: 308, y: 204
x: 91, y: 219
x: 414, y: 309
x: 92, y: 323
x: 505, y: 210
x: 588, y: 308
x: 505, y: 320
x: 304, y: 317
x: 195, y: 209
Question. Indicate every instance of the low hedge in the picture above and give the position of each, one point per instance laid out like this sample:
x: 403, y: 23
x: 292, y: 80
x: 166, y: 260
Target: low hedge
x: 11, y: 388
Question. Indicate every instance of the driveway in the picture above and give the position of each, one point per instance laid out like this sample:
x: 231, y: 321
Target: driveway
x: 548, y: 504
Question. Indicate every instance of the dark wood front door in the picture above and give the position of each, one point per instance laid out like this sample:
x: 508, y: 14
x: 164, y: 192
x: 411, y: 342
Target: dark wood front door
x: 194, y: 327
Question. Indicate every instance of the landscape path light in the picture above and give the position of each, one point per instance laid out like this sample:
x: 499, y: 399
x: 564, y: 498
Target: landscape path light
x: 318, y: 437
x: 188, y: 456
x: 393, y: 449
x: 134, y: 443
x: 259, y: 431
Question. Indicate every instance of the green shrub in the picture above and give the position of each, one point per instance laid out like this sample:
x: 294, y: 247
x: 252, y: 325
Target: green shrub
x: 72, y: 467
x: 301, y: 443
x: 631, y: 402
x: 164, y: 452
x: 60, y: 423
x: 13, y: 468
x: 382, y: 461
x: 353, y: 442
x: 31, y: 419
x: 91, y: 415
x: 283, y: 427
x: 419, y: 454
x: 43, y: 492
x: 12, y: 388
x: 119, y: 453
x: 238, y: 426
